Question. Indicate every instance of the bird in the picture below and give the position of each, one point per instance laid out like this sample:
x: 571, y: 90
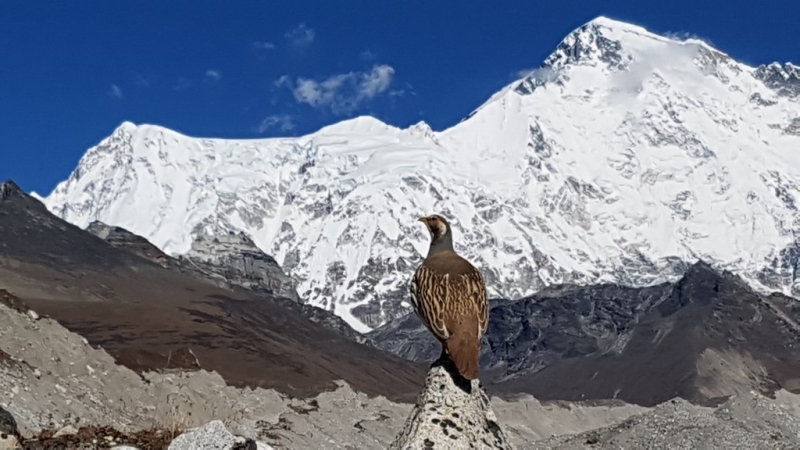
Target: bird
x: 448, y: 295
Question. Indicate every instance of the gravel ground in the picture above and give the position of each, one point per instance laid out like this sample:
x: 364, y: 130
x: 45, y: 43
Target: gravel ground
x: 51, y: 379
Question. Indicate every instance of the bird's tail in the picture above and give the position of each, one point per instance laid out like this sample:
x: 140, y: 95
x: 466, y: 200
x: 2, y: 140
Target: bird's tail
x: 464, y: 350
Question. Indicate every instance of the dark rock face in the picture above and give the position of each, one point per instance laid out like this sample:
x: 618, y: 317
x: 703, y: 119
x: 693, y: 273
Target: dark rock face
x: 236, y: 258
x: 693, y: 338
x: 529, y: 334
x: 784, y: 269
x: 585, y: 44
x: 8, y: 189
x: 122, y: 238
x: 782, y: 78
x: 8, y: 426
x: 233, y: 262
x: 709, y: 338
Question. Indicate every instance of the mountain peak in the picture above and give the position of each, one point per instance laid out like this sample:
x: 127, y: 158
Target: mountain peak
x: 127, y: 126
x: 356, y: 125
x: 9, y: 188
x: 638, y: 153
x: 609, y: 23
x: 601, y: 41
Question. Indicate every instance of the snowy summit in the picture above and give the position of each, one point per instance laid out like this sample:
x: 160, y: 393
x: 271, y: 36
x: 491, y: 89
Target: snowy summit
x: 623, y: 158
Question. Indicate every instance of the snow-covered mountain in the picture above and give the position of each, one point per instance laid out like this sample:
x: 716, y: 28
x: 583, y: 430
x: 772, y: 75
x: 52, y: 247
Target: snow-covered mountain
x: 625, y: 157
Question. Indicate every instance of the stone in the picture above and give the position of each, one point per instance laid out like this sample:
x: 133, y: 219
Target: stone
x: 9, y: 442
x: 9, y: 434
x: 68, y: 430
x: 214, y: 435
x: 451, y: 413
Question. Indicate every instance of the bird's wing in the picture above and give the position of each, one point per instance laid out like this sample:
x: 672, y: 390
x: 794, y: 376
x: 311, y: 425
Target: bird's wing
x: 442, y: 301
x: 428, y: 296
x: 471, y: 289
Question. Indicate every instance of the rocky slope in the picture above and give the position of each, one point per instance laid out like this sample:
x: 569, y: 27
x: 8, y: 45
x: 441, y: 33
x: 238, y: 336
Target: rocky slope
x: 54, y: 381
x: 237, y: 259
x: 701, y: 338
x: 157, y: 316
x: 748, y: 421
x: 232, y: 259
x: 624, y: 155
x: 229, y: 262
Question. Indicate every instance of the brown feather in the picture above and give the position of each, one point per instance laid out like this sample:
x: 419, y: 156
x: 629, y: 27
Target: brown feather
x: 449, y: 296
x: 464, y: 349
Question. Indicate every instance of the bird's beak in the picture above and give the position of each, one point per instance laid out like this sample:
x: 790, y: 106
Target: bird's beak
x: 422, y: 219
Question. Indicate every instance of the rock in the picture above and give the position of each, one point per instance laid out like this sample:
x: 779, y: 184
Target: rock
x: 748, y: 421
x: 703, y: 337
x: 33, y: 315
x: 451, y: 413
x: 8, y: 442
x: 236, y: 258
x: 9, y: 435
x: 214, y: 435
x: 68, y: 430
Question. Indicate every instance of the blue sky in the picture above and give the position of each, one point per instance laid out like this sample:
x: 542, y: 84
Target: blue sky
x: 70, y: 72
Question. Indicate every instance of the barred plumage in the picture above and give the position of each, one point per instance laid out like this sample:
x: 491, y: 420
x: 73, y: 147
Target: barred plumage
x: 449, y: 296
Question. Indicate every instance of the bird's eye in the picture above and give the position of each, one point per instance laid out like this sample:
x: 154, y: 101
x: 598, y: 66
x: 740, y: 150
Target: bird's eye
x: 3, y: 436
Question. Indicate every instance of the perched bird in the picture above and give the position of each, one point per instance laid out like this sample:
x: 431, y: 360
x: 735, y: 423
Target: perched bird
x: 449, y: 297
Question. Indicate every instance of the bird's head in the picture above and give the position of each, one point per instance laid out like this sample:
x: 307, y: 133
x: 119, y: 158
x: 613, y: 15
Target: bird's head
x: 437, y: 226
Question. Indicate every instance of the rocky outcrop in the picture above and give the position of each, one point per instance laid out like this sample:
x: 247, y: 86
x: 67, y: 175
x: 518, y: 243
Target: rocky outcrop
x: 451, y: 413
x: 217, y: 260
x: 214, y: 435
x: 234, y: 259
x: 782, y: 78
x: 237, y: 259
x: 8, y: 431
x: 9, y: 188
x: 122, y: 238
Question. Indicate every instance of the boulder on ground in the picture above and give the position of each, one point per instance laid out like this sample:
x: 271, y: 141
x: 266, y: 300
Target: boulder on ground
x: 451, y: 413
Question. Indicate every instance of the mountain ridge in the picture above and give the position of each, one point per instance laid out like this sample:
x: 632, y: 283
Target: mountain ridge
x: 154, y: 313
x: 702, y: 338
x: 625, y: 155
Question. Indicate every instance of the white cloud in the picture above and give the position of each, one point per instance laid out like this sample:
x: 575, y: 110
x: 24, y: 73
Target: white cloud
x: 300, y: 35
x: 284, y: 81
x: 213, y: 74
x: 260, y: 45
x: 283, y: 122
x: 341, y: 93
x: 523, y: 73
x: 641, y: 71
x: 115, y: 91
x: 377, y: 81
x: 543, y: 74
x: 684, y: 36
x: 368, y: 55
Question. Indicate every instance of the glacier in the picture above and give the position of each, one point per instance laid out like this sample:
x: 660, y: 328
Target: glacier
x: 624, y: 158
